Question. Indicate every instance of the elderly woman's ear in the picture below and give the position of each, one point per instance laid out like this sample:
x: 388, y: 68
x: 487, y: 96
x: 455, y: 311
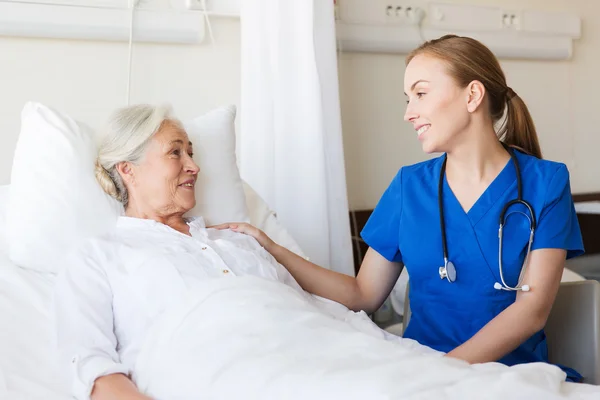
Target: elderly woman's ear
x: 126, y: 171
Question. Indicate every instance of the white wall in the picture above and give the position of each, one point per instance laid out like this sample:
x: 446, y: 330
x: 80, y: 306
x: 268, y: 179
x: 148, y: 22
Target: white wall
x: 562, y: 97
x: 88, y: 79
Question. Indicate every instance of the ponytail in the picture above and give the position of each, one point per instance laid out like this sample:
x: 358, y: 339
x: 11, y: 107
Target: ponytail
x: 518, y: 129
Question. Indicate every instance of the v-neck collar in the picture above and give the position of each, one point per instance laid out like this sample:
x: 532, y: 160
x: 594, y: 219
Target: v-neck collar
x: 488, y: 198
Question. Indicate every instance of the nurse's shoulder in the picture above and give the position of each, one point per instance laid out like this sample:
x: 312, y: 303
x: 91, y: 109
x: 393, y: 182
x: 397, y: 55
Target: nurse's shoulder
x: 546, y: 185
x: 541, y: 173
x: 421, y: 174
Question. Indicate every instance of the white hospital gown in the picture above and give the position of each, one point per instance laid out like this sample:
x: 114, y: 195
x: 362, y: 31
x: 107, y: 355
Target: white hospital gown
x: 114, y: 287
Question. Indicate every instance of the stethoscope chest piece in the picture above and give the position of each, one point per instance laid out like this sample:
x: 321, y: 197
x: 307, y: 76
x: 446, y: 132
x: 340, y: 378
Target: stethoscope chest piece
x: 448, y: 271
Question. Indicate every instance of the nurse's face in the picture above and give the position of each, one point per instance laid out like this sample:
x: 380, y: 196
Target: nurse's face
x: 437, y: 106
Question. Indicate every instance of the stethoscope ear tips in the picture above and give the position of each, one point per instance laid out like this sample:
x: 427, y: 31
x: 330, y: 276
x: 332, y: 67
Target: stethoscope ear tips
x: 525, y: 288
x: 497, y: 286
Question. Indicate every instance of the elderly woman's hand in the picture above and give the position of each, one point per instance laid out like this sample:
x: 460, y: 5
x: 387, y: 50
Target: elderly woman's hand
x: 250, y: 230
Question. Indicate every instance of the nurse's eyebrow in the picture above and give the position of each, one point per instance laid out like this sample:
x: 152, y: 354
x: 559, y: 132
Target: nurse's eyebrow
x: 412, y: 87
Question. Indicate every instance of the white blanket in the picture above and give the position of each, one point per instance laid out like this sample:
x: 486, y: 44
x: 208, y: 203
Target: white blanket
x: 248, y: 338
x: 28, y: 359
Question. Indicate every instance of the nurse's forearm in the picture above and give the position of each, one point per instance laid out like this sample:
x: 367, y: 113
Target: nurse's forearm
x: 318, y: 280
x: 501, y: 335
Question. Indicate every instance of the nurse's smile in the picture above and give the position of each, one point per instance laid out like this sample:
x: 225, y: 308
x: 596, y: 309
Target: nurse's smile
x: 421, y: 130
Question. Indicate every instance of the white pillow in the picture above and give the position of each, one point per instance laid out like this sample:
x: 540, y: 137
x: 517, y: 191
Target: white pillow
x: 220, y: 192
x: 265, y: 219
x: 54, y: 197
x: 55, y: 200
x: 260, y: 215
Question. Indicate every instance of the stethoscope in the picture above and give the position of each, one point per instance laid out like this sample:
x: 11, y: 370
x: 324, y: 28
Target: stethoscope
x: 448, y: 271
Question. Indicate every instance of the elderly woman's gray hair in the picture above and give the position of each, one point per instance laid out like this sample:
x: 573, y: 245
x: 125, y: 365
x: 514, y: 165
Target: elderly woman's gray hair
x: 128, y: 133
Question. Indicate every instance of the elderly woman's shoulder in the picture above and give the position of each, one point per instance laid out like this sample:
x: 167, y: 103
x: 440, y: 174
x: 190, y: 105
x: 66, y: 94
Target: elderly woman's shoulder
x: 102, y: 242
x: 94, y: 250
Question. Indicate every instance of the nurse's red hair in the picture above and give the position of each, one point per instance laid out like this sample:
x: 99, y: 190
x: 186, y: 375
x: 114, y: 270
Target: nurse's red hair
x: 469, y: 60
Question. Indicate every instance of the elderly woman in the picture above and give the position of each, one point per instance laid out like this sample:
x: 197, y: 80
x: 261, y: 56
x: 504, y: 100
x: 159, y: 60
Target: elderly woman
x: 114, y: 287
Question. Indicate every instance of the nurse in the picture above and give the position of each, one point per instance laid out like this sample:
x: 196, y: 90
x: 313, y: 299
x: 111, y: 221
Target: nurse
x: 476, y: 295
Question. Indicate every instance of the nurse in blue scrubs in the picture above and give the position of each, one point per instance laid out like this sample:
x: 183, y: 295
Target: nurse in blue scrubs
x: 473, y: 296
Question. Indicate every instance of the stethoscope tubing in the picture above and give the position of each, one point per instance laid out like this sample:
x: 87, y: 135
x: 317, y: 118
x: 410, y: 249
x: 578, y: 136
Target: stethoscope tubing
x: 518, y: 200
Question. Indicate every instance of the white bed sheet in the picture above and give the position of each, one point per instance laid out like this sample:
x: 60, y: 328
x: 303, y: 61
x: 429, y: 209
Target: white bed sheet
x: 28, y: 368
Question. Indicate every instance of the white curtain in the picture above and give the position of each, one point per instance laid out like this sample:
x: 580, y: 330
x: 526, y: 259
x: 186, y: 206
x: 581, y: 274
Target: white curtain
x: 291, y: 149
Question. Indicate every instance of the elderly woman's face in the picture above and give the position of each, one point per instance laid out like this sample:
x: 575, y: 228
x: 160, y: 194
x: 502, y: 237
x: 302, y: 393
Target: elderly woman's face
x: 164, y: 180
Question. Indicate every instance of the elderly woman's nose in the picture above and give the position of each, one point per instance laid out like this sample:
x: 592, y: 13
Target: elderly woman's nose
x: 192, y: 167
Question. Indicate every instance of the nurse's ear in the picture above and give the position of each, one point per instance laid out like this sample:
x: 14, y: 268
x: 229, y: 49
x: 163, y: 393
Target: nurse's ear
x: 475, y: 93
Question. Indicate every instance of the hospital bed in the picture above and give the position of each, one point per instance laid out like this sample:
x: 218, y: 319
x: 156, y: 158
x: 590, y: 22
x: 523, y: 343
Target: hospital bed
x: 27, y: 359
x: 573, y: 328
x: 28, y: 367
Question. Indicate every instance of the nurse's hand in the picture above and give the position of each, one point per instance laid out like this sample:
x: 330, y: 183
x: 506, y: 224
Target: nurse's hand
x: 250, y: 230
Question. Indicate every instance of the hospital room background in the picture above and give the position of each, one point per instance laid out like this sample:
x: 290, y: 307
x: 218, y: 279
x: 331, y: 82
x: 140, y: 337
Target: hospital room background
x: 88, y: 79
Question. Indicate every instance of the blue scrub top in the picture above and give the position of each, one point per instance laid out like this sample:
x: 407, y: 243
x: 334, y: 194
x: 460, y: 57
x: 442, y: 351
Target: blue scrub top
x: 405, y: 227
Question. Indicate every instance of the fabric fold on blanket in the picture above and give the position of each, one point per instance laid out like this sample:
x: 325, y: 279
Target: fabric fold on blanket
x: 255, y: 339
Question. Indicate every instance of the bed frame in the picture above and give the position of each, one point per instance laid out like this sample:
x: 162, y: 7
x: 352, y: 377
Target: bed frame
x: 589, y: 224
